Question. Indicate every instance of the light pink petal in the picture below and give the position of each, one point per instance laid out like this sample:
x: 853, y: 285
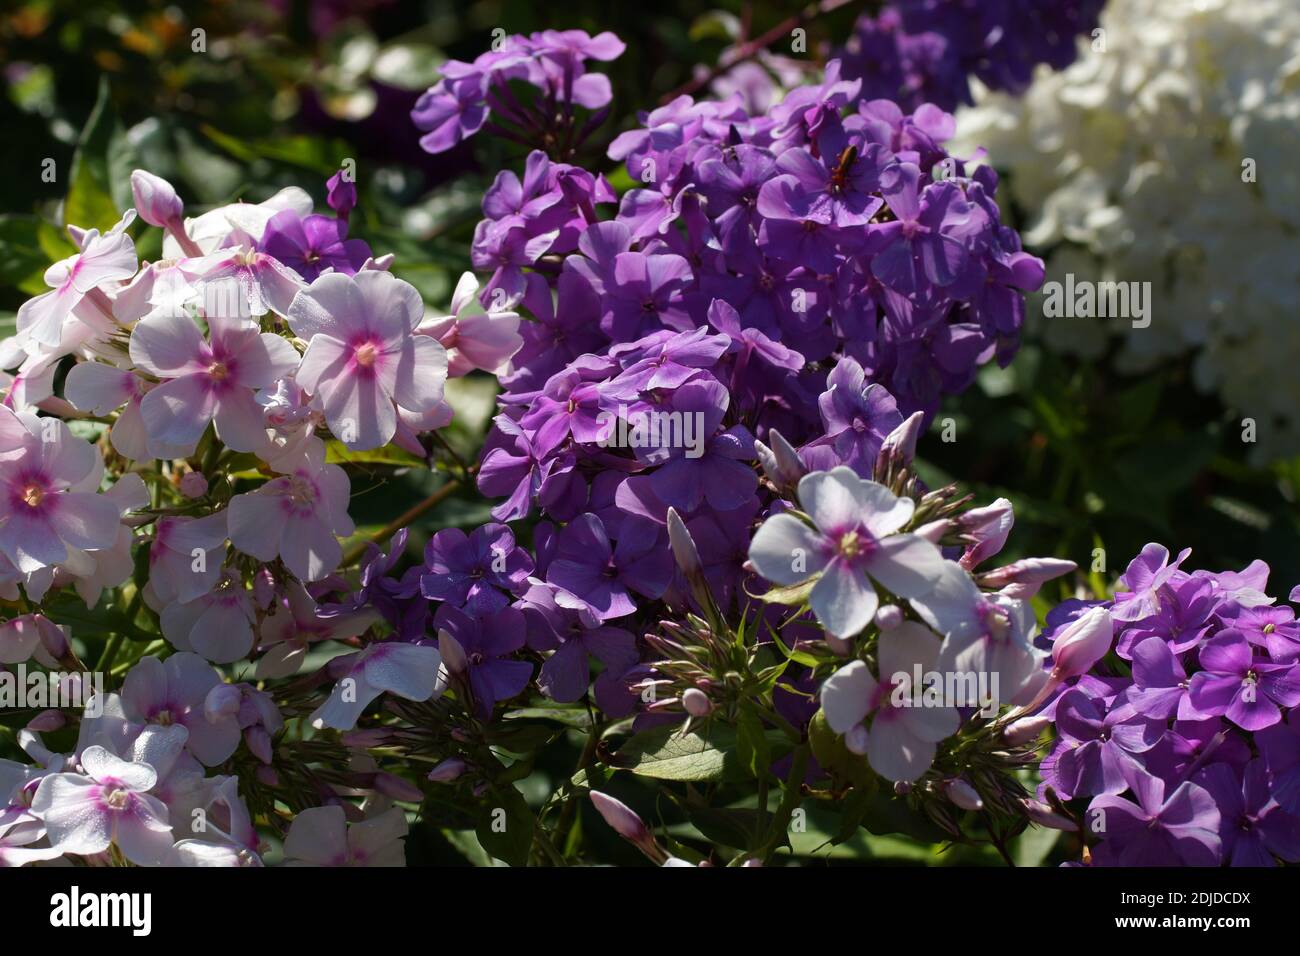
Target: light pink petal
x: 846, y: 696
x: 177, y: 412
x: 257, y: 522
x: 420, y: 374
x: 167, y: 345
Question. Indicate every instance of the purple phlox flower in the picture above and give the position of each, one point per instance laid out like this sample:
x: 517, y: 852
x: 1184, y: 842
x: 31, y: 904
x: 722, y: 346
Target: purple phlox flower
x: 363, y: 358
x: 295, y: 623
x: 1184, y: 618
x: 1273, y: 628
x: 482, y: 340
x: 507, y: 247
x: 1095, y: 745
x: 103, y: 259
x: 856, y: 416
x: 730, y: 182
x: 1160, y: 681
x: 207, y: 381
x: 1253, y: 828
x: 923, y: 244
x: 298, y: 516
x: 566, y: 327
x: 1159, y: 826
x: 217, y: 625
x: 487, y: 642
x: 239, y: 224
x: 599, y: 575
x: 450, y: 111
x: 1191, y: 744
x: 341, y: 193
x: 109, y: 805
x: 312, y: 245
x: 1280, y: 746
x: 322, y: 836
x: 460, y: 568
x: 983, y: 634
x: 666, y: 359
x: 511, y: 467
x: 50, y: 509
x: 1248, y: 690
x: 702, y: 463
x: 172, y: 692
x: 644, y: 292
x: 570, y: 404
x: 900, y: 743
x: 835, y: 184
x: 1144, y: 577
x: 408, y: 670
x: 575, y: 635
x: 853, y: 538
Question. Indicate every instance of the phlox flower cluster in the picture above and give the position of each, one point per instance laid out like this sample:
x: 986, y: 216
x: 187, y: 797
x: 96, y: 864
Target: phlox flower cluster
x: 1182, y: 746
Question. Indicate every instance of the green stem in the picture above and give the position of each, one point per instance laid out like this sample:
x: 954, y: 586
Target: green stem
x: 790, y: 801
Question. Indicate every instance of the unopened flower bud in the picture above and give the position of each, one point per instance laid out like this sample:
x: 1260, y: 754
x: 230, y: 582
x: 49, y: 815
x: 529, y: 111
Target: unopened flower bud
x: 259, y: 743
x: 1024, y: 730
x: 963, y: 794
x: 622, y: 818
x: 447, y: 771
x: 684, y: 550
x: 888, y: 617
x: 1083, y: 642
x: 341, y: 194
x: 453, y: 655
x: 1028, y: 571
x: 779, y: 460
x: 47, y: 721
x: 696, y: 702
x: 1045, y: 816
x: 155, y: 199
x: 987, y: 529
x: 399, y: 788
x: 900, y: 444
x: 365, y: 738
x: 193, y: 485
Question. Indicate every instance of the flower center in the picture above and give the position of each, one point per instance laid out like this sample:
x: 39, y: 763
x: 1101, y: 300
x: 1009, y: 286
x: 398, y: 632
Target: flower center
x: 366, y: 355
x: 301, y: 491
x: 219, y: 371
x: 33, y: 495
x: 850, y: 545
x: 117, y: 798
x: 164, y: 718
x: 1268, y: 628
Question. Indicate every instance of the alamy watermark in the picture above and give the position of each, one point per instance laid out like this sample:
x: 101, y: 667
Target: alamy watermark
x: 946, y: 689
x: 660, y: 430
x: 1084, y: 299
x: 21, y: 689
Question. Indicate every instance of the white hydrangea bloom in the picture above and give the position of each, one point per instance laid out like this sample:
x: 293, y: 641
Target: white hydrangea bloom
x: 1132, y: 162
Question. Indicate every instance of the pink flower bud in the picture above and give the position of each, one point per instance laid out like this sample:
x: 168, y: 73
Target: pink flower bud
x: 1028, y: 571
x: 621, y: 817
x: 193, y: 485
x: 1024, y: 730
x: 1084, y: 642
x: 447, y: 771
x: 963, y: 794
x: 155, y: 199
x: 935, y: 531
x: 1045, y: 816
x: 900, y: 444
x: 888, y: 617
x: 696, y: 702
x: 47, y: 721
x: 986, y: 529
x: 779, y: 460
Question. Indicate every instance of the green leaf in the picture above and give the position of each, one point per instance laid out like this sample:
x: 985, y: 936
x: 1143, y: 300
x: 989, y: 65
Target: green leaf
x: 506, y: 827
x: 90, y: 202
x: 665, y: 754
x: 22, y: 260
x: 336, y: 453
x: 102, y: 619
x: 828, y: 747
